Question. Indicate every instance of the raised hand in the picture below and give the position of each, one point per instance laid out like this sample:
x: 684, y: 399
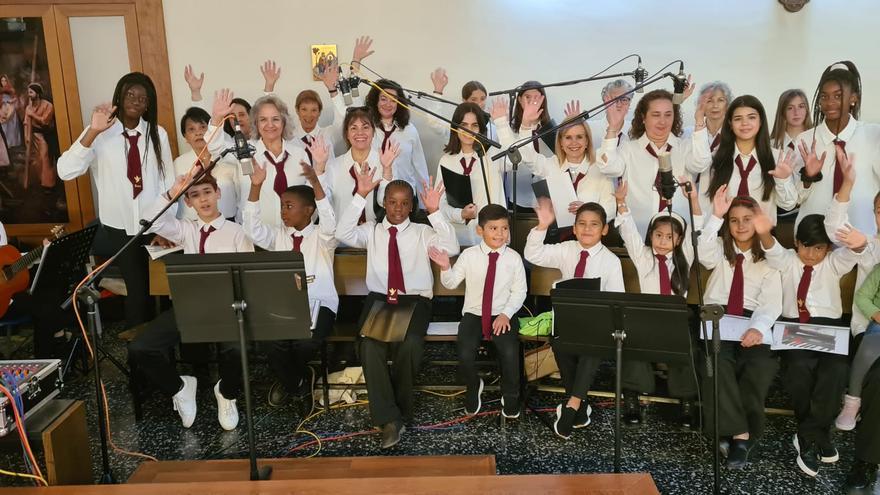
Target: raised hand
x: 439, y: 79
x: 469, y: 212
x: 271, y: 73
x: 362, y: 49
x: 851, y: 237
x: 700, y: 113
x: 784, y: 165
x: 440, y: 257
x: 180, y: 184
x: 544, y: 211
x: 365, y: 182
x: 392, y: 151
x: 222, y: 105
x: 812, y: 163
x: 847, y: 165
x: 194, y: 83
x: 763, y: 224
x: 102, y: 117
x: 430, y: 196
x: 259, y: 175
x: 320, y: 150
x: 620, y: 192
x: 689, y: 86
x: 532, y: 110
x: 572, y: 108
x: 574, y: 206
x: 330, y: 76
x: 499, y: 108
x: 721, y: 202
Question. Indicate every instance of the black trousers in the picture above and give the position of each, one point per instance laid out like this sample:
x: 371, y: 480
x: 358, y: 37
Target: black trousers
x: 744, y: 377
x: 507, y: 350
x: 133, y: 263
x: 391, y: 390
x: 577, y: 370
x: 868, y: 430
x: 816, y: 382
x: 639, y: 376
x: 47, y: 318
x: 289, y: 358
x: 151, y: 351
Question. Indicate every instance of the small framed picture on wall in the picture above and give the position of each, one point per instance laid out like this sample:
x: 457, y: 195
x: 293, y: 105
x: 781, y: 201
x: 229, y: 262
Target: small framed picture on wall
x: 323, y: 56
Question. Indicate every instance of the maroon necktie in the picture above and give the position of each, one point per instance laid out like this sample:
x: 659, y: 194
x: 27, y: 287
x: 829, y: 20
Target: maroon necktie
x: 665, y: 282
x: 744, y: 174
x: 354, y: 191
x: 535, y: 142
x: 791, y: 145
x: 203, y: 236
x: 395, y: 271
x: 297, y: 242
x: 715, y: 143
x: 308, y: 142
x: 735, y: 296
x: 280, y: 184
x: 577, y: 180
x: 619, y: 137
x: 803, y: 289
x: 467, y: 168
x: 135, y: 175
x: 581, y: 267
x: 663, y: 202
x: 387, y: 136
x: 488, y: 286
x: 838, y: 172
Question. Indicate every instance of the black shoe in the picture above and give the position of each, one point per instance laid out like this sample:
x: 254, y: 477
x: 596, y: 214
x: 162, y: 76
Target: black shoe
x: 632, y: 410
x: 582, y: 418
x: 510, y: 411
x: 473, y: 399
x: 564, y: 421
x: 278, y: 395
x: 827, y: 451
x: 391, y: 434
x: 686, y: 413
x: 862, y: 475
x: 808, y: 455
x: 738, y: 455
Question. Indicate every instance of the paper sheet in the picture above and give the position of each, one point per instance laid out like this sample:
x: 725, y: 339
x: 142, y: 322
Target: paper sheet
x: 800, y: 336
x: 733, y: 328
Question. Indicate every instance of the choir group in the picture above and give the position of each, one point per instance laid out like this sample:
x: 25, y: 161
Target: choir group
x: 744, y: 173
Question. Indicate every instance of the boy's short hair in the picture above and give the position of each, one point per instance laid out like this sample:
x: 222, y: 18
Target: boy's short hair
x: 205, y: 179
x: 304, y: 193
x: 595, y: 208
x: 401, y: 184
x: 811, y: 231
x: 195, y: 114
x: 492, y: 212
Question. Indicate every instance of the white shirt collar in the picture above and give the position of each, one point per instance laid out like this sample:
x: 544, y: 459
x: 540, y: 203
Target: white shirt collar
x: 217, y: 223
x: 400, y: 227
x: 846, y: 134
x: 304, y: 232
x: 485, y: 249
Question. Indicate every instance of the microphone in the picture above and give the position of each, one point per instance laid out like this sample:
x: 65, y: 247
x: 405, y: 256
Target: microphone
x: 679, y: 82
x: 667, y: 181
x: 243, y: 151
x: 640, y: 74
x: 353, y: 82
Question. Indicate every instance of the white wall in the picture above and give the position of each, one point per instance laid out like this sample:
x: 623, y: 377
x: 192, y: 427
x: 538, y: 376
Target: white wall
x: 754, y: 45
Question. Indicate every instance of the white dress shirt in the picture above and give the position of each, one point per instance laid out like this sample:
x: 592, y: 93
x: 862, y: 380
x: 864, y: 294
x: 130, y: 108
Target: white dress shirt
x: 638, y: 167
x: 762, y: 284
x: 327, y: 132
x: 823, y: 297
x: 441, y: 127
x: 644, y: 257
x: 343, y: 184
x: 601, y: 263
x: 3, y: 239
x: 509, y: 290
x: 861, y: 140
x: 318, y: 247
x: 783, y: 195
x: 225, y: 172
x: 228, y: 237
x: 107, y: 159
x: 466, y: 232
x: 836, y: 218
x: 525, y: 195
x: 413, y: 241
x: 599, y: 127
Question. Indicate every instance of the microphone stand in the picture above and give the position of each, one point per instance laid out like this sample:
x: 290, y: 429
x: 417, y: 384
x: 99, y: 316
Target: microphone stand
x: 89, y: 295
x: 429, y: 96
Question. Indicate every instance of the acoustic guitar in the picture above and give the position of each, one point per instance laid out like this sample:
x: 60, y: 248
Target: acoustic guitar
x: 14, y: 276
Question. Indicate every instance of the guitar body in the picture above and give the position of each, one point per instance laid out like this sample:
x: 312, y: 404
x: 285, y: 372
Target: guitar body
x: 10, y: 286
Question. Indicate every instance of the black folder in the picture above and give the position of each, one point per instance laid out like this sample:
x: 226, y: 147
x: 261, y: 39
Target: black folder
x: 458, y: 188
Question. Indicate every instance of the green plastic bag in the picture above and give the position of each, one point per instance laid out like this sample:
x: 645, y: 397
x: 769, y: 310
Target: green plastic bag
x: 537, y: 326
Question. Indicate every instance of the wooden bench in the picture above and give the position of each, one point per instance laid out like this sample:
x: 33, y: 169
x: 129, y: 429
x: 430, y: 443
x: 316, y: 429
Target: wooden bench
x: 316, y: 468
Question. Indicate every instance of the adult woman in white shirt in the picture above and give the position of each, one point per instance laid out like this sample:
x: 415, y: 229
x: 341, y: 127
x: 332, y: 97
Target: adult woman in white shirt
x: 129, y: 157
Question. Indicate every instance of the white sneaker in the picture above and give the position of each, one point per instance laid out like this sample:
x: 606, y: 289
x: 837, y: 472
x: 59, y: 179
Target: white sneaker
x: 848, y: 417
x: 185, y: 401
x: 227, y: 411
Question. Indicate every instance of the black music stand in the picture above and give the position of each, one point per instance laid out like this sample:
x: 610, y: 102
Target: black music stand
x: 241, y: 297
x: 622, y: 326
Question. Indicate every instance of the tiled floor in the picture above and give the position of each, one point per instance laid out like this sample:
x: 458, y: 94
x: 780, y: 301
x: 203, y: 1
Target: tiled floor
x: 678, y: 460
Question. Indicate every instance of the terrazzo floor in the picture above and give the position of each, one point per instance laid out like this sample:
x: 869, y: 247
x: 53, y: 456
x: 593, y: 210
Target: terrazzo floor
x: 678, y: 460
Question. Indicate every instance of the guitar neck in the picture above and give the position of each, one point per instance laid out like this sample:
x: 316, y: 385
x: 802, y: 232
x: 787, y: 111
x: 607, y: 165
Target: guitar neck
x: 25, y: 261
